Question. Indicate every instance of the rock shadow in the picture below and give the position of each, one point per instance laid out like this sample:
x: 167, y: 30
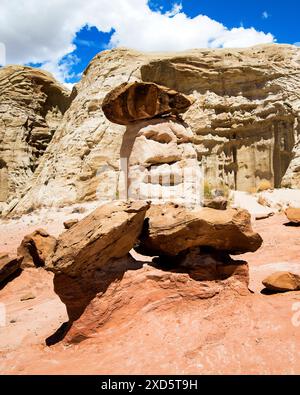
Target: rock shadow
x: 77, y: 292
x: 292, y: 224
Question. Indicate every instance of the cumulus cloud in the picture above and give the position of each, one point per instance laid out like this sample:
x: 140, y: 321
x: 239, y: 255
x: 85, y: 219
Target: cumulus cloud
x: 44, y: 32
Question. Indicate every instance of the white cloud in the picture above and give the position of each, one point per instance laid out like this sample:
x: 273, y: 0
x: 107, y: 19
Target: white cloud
x: 265, y: 15
x: 42, y: 32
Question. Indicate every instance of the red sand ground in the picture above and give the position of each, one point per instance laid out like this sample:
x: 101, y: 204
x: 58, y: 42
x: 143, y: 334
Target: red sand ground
x: 254, y: 334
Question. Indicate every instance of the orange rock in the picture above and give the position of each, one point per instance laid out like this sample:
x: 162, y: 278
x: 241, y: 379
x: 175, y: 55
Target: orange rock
x: 35, y: 248
x: 282, y: 281
x: 173, y: 229
x: 293, y: 214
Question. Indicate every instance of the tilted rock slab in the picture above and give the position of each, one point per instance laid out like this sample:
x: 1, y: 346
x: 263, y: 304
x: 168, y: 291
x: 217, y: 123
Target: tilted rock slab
x: 32, y: 104
x: 172, y: 229
x: 95, y: 242
x: 131, y: 102
x: 108, y: 232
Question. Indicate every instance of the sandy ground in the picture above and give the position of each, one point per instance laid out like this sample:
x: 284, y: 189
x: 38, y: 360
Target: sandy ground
x: 258, y: 335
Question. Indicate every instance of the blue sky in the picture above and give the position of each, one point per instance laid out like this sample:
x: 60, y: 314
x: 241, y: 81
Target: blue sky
x: 63, y: 36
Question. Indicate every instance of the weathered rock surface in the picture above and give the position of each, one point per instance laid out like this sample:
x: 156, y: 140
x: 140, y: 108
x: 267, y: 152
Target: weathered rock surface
x: 32, y: 104
x: 8, y: 266
x: 292, y: 177
x: 244, y: 119
x: 293, y: 214
x: 282, y: 281
x: 129, y: 289
x: 161, y: 162
x: 142, y: 100
x: 172, y: 229
x: 108, y: 232
x: 35, y: 248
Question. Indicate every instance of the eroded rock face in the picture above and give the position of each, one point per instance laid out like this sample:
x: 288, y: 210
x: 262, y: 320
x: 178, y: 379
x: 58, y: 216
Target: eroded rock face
x: 35, y: 248
x: 32, y: 105
x: 142, y: 100
x: 162, y: 162
x: 282, y: 282
x: 172, y: 229
x: 244, y: 119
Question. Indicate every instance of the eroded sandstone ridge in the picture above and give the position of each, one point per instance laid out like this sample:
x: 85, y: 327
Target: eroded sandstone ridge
x: 32, y: 105
x: 245, y: 119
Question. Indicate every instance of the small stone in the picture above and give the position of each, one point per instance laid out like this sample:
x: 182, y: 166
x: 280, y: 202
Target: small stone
x: 282, y: 282
x: 27, y: 297
x: 293, y: 215
x: 71, y: 222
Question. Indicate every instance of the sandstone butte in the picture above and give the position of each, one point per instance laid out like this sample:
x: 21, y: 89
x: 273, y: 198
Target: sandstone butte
x: 244, y: 122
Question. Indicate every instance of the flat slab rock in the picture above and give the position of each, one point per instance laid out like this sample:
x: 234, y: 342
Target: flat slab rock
x: 172, y: 229
x: 130, y: 102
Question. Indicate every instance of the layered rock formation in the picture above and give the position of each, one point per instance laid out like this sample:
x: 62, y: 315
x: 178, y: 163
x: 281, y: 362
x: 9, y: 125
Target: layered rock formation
x: 32, y: 105
x: 244, y: 119
x: 95, y: 276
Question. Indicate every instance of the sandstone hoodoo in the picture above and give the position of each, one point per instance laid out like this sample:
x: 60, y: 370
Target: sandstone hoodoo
x: 35, y: 248
x: 131, y: 102
x: 282, y: 282
x: 172, y: 229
